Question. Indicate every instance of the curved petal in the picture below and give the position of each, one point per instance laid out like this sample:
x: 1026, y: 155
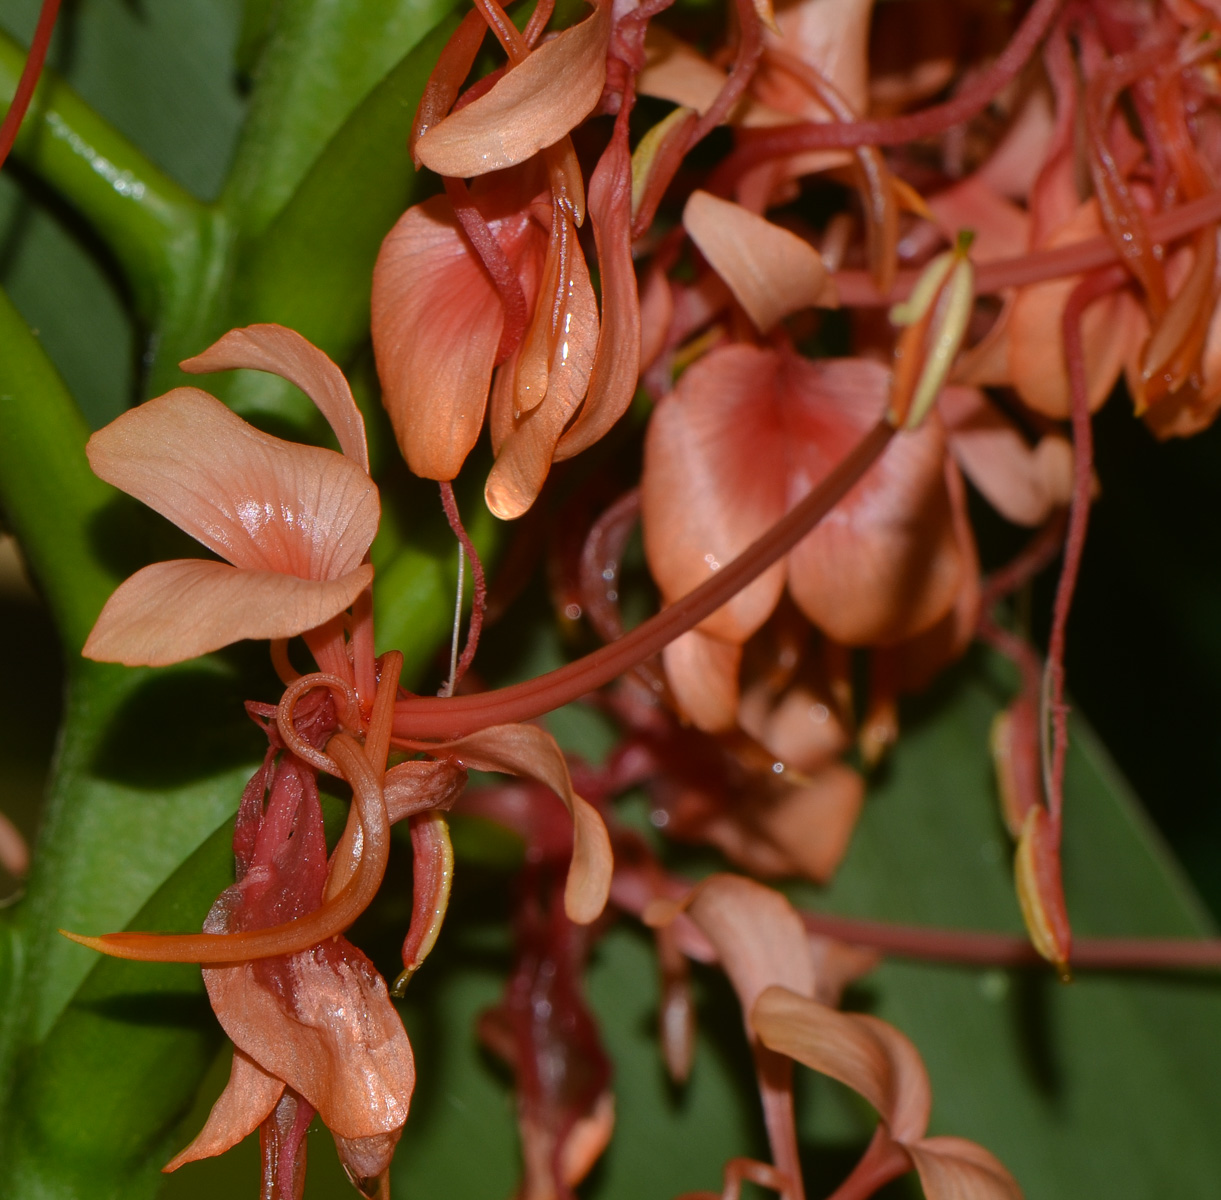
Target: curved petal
x: 702, y: 671
x: 531, y: 752
x: 322, y: 1021
x: 770, y: 271
x: 616, y: 366
x: 286, y: 353
x: 436, y: 321
x: 759, y: 938
x: 530, y: 107
x: 870, y: 1056
x: 714, y: 481
x: 952, y: 1168
x: 241, y: 1108
x: 171, y: 611
x: 832, y: 35
x: 258, y: 501
x: 1023, y: 483
x: 524, y: 458
x: 885, y: 564
x: 1110, y: 329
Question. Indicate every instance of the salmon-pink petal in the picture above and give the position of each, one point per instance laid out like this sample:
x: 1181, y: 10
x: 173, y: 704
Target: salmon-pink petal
x: 530, y: 107
x: 759, y: 938
x: 656, y: 314
x: 832, y: 35
x: 714, y: 481
x: 531, y: 752
x: 1109, y: 330
x: 770, y: 271
x: 258, y: 501
x: 868, y: 1055
x: 703, y: 675
x: 885, y: 564
x: 677, y: 72
x: 1000, y: 227
x: 436, y: 324
x: 1023, y: 483
x: 952, y: 1168
x: 616, y: 365
x: 171, y: 611
x: 322, y: 1021
x: 241, y: 1108
x: 802, y: 729
x: 1013, y: 166
x: 286, y: 353
x: 813, y: 822
x: 524, y: 458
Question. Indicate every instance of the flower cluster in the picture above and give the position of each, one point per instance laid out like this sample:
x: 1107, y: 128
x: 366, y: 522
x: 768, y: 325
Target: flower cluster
x: 804, y: 495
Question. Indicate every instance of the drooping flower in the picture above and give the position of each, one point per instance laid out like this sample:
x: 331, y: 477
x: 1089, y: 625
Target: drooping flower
x: 487, y: 290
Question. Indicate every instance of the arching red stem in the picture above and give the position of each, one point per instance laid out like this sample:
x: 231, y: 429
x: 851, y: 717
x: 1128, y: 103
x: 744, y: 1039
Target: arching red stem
x: 421, y: 717
x: 29, y: 77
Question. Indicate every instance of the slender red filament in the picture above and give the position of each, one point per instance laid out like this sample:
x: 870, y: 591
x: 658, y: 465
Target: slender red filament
x: 29, y: 77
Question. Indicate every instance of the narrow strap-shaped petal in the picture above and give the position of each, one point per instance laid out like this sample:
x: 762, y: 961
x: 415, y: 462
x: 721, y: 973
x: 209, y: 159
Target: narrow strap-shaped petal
x: 770, y: 271
x: 532, y: 106
x: 171, y: 611
x: 241, y: 1108
x: 259, y: 501
x: 286, y: 353
x: 616, y: 367
x: 868, y: 1055
x: 531, y: 752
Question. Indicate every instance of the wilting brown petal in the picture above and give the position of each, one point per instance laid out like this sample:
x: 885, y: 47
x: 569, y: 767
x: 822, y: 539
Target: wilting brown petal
x: 286, y: 353
x: 531, y: 106
x: 322, y: 1021
x: 171, y: 611
x: 770, y: 271
x: 241, y: 1108
x: 260, y: 502
x: 952, y: 1168
x: 703, y: 674
x: 714, y: 481
x: 759, y: 938
x: 1023, y: 483
x: 531, y: 752
x: 870, y: 1056
x: 616, y: 366
x: 367, y: 1159
x: 436, y: 324
x: 416, y: 786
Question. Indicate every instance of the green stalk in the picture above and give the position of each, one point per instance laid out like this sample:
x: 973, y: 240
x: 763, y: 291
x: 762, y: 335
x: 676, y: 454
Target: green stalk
x: 49, y: 495
x: 155, y: 228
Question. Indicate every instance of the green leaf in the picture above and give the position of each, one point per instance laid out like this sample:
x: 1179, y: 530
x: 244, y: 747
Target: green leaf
x: 320, y: 62
x: 1104, y: 1087
x: 312, y: 268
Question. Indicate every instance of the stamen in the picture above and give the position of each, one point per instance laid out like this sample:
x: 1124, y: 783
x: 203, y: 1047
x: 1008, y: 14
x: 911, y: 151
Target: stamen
x: 479, y: 601
x: 349, y: 717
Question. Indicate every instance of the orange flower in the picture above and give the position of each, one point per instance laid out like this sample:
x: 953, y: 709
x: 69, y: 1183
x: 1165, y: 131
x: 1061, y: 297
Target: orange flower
x: 492, y: 279
x: 293, y: 522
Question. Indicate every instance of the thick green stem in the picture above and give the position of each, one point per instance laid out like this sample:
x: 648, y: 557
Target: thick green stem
x: 153, y: 227
x: 49, y: 494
